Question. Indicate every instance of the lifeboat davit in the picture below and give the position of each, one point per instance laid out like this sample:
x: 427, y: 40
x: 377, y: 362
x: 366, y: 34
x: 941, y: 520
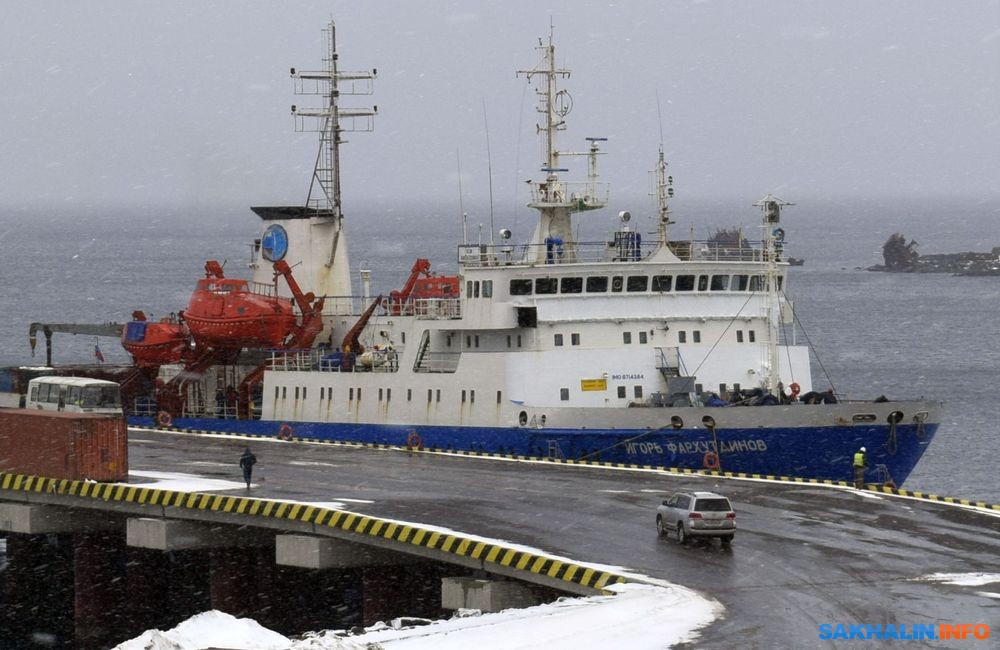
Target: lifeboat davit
x: 229, y: 313
x: 153, y: 344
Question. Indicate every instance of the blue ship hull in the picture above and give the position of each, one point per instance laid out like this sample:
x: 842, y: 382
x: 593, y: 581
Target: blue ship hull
x: 813, y: 452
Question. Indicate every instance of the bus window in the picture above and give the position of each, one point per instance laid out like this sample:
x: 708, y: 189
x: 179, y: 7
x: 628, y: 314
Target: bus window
x: 74, y: 394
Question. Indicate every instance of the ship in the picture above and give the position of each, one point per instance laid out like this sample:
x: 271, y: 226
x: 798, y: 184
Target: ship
x: 639, y: 350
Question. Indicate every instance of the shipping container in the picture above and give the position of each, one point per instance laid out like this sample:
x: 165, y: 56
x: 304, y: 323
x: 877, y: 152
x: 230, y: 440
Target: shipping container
x: 73, y: 446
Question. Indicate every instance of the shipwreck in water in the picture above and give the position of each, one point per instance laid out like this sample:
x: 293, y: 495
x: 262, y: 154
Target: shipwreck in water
x: 901, y: 256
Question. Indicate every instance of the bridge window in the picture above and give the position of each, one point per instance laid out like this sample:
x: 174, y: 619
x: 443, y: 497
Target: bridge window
x: 508, y: 340
x: 662, y: 282
x: 472, y: 396
x: 463, y: 396
x: 487, y: 288
x: 719, y: 283
x: 350, y: 394
x: 684, y: 283
x: 564, y: 394
x: 575, y: 338
x: 697, y: 336
x: 643, y: 338
x: 275, y: 393
x: 597, y: 284
x: 430, y: 395
x: 627, y: 338
x: 753, y: 336
x: 545, y: 286
x: 520, y: 287
x: 409, y: 394
x: 558, y: 340
x: 756, y: 283
x: 739, y: 283
x: 284, y: 392
x: 403, y: 337
x: 616, y: 283
x: 499, y: 396
x: 388, y: 394
x: 359, y: 393
x: 702, y: 283
x: 739, y: 336
x: 380, y: 394
x: 437, y: 396
x: 621, y: 392
x: 304, y: 389
x: 637, y: 390
x: 571, y: 285
x: 682, y: 337
x: 637, y: 282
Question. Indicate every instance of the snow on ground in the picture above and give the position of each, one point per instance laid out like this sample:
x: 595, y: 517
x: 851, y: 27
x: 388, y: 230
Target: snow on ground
x: 209, y: 629
x: 637, y: 617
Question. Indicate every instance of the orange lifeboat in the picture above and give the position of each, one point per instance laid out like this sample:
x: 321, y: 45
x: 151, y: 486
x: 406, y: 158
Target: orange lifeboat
x: 227, y: 313
x: 153, y: 344
x: 422, y: 284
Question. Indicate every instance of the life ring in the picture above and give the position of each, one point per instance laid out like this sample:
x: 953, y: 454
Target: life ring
x: 413, y: 441
x: 795, y: 388
x: 710, y: 460
x: 164, y: 419
x: 285, y: 432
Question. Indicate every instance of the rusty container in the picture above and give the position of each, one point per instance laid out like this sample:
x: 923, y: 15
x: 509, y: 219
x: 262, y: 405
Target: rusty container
x: 74, y: 446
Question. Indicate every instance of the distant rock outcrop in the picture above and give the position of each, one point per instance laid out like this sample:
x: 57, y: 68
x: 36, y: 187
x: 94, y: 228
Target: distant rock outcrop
x: 901, y: 256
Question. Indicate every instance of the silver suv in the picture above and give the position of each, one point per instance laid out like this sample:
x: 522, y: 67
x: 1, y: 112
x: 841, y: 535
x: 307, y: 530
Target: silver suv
x: 697, y: 514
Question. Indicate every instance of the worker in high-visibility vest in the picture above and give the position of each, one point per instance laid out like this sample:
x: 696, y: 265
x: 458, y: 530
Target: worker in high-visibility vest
x: 860, y: 464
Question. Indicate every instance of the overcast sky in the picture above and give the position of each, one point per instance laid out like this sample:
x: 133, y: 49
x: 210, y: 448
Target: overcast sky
x: 188, y: 101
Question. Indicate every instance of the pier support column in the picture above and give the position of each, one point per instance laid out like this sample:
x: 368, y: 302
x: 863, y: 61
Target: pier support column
x: 97, y: 590
x: 234, y: 583
x: 392, y: 591
x: 36, y: 602
x: 485, y: 595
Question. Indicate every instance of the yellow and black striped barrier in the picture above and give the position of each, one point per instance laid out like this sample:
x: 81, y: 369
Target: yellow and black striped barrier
x: 883, y: 489
x: 363, y: 525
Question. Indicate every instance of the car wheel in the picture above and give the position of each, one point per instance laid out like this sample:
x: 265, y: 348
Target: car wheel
x: 727, y: 540
x: 682, y: 536
x: 660, y: 530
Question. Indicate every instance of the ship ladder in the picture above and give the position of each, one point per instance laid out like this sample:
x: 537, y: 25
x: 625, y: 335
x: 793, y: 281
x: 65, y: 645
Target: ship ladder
x: 554, y: 450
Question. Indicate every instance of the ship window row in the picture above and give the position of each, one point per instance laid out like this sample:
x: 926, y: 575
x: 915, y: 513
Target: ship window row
x: 472, y: 288
x: 384, y: 394
x: 639, y: 284
x: 574, y: 339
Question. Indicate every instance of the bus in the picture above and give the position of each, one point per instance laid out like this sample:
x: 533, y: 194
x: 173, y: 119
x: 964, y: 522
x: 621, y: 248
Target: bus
x: 74, y: 395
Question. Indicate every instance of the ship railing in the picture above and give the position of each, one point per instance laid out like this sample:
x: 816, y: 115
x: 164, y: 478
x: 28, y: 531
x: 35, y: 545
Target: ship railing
x: 325, y: 360
x: 424, y: 308
x: 263, y: 289
x: 626, y: 247
x: 578, y: 196
x: 438, y: 362
x: 437, y: 308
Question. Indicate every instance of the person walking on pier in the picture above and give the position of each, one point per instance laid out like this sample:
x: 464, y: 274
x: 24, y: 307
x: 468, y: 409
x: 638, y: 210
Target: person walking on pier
x: 860, y: 464
x: 247, y: 461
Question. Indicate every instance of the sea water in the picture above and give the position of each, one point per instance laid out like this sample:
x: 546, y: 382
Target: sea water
x: 898, y: 335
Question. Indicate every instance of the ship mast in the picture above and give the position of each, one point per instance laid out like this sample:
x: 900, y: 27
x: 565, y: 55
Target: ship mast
x: 331, y: 121
x: 774, y: 239
x: 664, y: 192
x: 555, y: 200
